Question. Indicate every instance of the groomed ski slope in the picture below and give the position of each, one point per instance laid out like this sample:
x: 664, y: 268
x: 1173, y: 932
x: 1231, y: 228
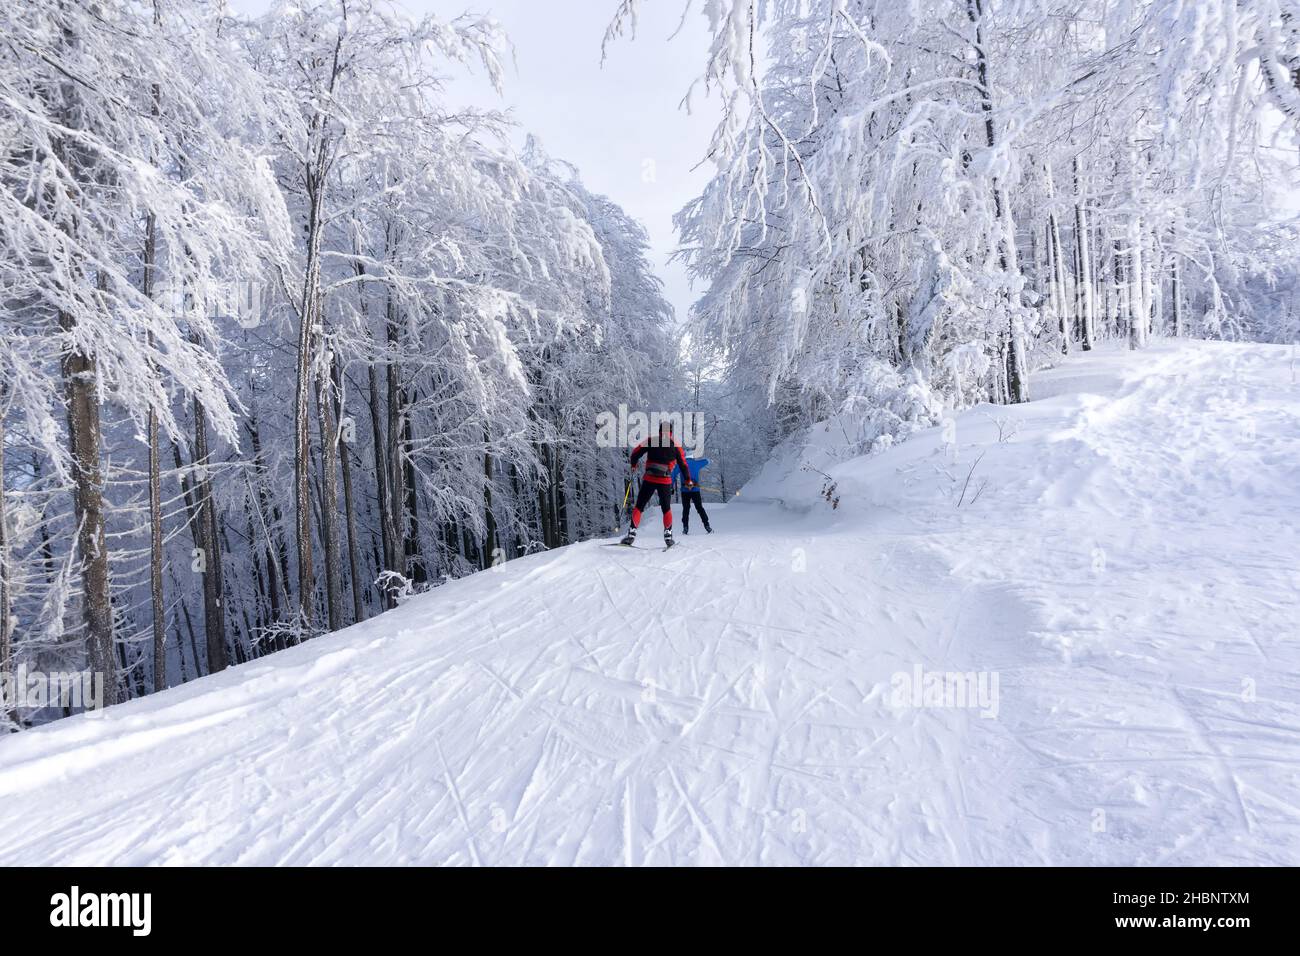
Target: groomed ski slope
x: 1129, y: 573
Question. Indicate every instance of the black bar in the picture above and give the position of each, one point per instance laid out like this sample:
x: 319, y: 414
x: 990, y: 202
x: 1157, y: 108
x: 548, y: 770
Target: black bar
x: 234, y: 906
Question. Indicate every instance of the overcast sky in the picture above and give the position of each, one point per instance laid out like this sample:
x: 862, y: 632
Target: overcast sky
x: 619, y: 123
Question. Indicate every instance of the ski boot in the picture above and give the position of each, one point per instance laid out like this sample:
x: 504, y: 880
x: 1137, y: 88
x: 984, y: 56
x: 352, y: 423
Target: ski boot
x: 668, y: 538
x: 628, y: 538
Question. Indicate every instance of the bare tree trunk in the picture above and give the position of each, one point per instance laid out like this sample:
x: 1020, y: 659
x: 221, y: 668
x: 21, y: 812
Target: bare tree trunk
x: 189, y: 627
x: 261, y: 596
x: 1175, y: 294
x: 1139, y: 312
x: 414, y: 555
x: 301, y: 401
x: 242, y: 639
x: 349, y: 509
x: 1158, y: 255
x: 517, y: 542
x: 490, y: 540
x: 329, y: 501
x: 1017, y: 365
x: 214, y: 612
x: 545, y: 504
x: 156, y: 550
x: 156, y: 596
x: 561, y: 503
x: 277, y: 555
x: 544, y: 523
x: 155, y: 492
x: 1084, y: 279
x: 8, y: 710
x: 386, y: 523
x: 47, y: 544
x: 1102, y: 285
x: 80, y: 373
x: 394, y: 440
x: 490, y: 546
x: 1056, y: 265
x: 180, y: 656
x: 381, y: 451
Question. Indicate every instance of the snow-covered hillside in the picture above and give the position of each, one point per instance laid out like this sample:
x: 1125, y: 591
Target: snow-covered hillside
x: 1115, y: 563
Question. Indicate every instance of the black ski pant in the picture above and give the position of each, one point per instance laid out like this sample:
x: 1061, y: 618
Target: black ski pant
x: 643, y: 497
x: 689, y: 498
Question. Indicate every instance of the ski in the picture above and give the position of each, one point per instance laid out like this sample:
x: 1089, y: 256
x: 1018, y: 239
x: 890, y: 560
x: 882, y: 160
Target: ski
x: 620, y: 544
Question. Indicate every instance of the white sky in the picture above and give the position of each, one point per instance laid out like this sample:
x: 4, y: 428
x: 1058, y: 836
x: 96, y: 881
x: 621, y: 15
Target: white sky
x: 620, y: 124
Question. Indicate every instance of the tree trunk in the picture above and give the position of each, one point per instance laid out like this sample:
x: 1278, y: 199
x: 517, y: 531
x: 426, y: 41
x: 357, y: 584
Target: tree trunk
x: 1084, y: 278
x: 490, y: 540
x: 382, y: 468
x: 414, y: 557
x: 301, y: 401
x: 156, y: 551
x: 261, y: 594
x: 349, y: 509
x: 329, y: 502
x: 277, y: 556
x: 80, y: 373
x: 545, y: 509
x: 1159, y: 324
x: 1056, y: 265
x: 155, y: 490
x: 561, y: 504
x: 214, y: 612
x: 194, y: 642
x: 1175, y: 294
x: 156, y: 596
x: 1017, y: 366
x: 395, y: 442
x: 242, y: 639
x: 1139, y: 311
x: 8, y: 710
x: 517, y: 543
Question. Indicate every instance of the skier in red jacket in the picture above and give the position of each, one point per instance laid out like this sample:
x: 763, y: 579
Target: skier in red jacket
x: 660, y: 455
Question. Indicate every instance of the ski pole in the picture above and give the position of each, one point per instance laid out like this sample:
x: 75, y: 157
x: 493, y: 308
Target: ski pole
x: 623, y: 513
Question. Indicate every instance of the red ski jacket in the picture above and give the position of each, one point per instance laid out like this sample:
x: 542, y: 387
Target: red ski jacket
x: 659, y: 461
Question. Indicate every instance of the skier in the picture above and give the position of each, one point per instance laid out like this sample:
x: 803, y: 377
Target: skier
x: 691, y: 494
x: 661, y: 456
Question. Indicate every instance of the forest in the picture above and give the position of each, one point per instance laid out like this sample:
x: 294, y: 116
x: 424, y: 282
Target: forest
x: 289, y: 334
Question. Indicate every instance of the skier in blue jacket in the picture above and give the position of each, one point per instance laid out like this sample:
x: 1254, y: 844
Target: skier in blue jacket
x: 691, y: 494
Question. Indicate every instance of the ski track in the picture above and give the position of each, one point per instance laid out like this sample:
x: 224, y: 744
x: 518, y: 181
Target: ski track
x: 1127, y: 573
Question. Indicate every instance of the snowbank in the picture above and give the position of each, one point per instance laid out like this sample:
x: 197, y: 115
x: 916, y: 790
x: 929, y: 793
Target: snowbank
x: 796, y: 474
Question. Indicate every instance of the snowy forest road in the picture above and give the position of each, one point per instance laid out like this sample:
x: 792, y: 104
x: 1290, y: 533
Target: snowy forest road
x: 1123, y: 591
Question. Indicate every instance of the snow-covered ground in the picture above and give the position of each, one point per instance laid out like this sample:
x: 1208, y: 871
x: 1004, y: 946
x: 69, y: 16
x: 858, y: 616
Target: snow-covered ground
x: 1121, y: 569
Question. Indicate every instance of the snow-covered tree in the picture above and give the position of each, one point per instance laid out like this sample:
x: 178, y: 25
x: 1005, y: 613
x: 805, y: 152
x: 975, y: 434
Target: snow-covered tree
x: 918, y: 203
x: 269, y: 306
